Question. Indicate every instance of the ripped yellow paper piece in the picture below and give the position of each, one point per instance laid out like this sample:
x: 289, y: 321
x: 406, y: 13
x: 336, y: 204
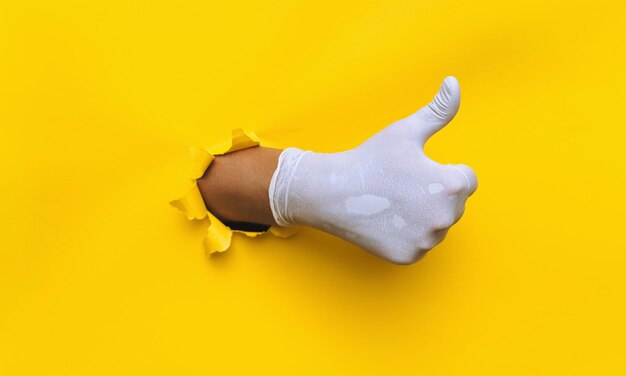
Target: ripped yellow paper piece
x: 218, y: 236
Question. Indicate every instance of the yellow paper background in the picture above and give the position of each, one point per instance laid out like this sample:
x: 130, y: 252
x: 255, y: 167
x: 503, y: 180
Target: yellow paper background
x: 99, y: 102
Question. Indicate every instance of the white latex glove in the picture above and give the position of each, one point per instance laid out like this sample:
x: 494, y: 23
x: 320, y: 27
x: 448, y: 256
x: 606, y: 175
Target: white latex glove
x: 385, y: 195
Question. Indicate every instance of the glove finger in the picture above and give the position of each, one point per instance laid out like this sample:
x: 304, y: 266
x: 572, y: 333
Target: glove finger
x: 469, y: 176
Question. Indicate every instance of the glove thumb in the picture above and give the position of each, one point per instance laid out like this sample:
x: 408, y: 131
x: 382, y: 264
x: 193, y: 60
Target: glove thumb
x: 434, y: 116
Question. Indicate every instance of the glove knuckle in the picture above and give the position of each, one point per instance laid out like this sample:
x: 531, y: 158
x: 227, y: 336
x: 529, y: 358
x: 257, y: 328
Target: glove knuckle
x: 406, y: 257
x: 453, y: 182
x: 442, y: 223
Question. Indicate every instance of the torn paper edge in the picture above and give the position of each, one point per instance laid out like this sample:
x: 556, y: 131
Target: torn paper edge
x: 218, y: 237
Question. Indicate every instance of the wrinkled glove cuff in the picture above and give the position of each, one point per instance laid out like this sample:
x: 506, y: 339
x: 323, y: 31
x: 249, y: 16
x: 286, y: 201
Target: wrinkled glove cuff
x: 280, y: 185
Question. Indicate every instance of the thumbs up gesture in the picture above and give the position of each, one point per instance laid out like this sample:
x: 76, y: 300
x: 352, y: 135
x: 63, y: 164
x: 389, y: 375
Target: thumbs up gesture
x: 385, y: 195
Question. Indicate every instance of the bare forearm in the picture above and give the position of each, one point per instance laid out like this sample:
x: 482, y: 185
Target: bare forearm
x: 235, y: 186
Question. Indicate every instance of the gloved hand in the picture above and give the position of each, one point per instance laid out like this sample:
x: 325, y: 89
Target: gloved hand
x: 385, y: 195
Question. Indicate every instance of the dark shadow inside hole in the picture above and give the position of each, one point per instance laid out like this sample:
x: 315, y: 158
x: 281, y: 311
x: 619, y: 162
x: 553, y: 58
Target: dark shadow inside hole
x: 247, y: 226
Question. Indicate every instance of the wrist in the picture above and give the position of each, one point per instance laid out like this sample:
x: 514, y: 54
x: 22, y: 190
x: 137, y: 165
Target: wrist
x: 304, y: 187
x: 281, y: 184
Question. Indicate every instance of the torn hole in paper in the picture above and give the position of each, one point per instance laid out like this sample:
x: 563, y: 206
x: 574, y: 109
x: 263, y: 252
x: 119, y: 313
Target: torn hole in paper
x: 219, y: 234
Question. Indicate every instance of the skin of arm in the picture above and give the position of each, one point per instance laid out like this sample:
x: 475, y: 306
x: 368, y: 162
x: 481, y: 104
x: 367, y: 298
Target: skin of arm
x: 235, y: 186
